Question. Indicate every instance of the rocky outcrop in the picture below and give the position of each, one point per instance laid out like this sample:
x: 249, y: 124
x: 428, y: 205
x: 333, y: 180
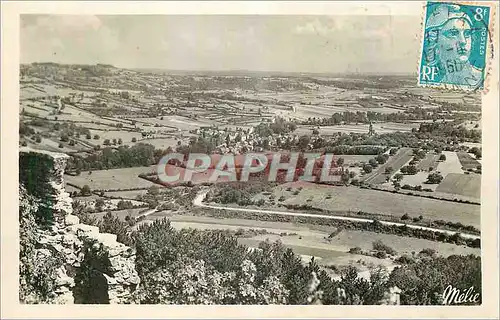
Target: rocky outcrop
x: 95, y: 267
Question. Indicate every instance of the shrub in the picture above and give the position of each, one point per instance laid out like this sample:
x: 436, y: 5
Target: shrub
x: 380, y: 246
x: 428, y: 252
x: 367, y: 168
x: 434, y: 178
x: 85, y: 191
x: 380, y: 255
x: 356, y: 250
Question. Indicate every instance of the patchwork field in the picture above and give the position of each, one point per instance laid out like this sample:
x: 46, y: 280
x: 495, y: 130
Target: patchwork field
x: 357, y: 128
x: 112, y: 179
x: 463, y: 184
x: 467, y: 161
x: 355, y: 199
x: 418, y: 180
x: 164, y: 143
x: 313, y: 240
x: 377, y: 176
x: 122, y: 214
x: 356, y: 158
x: 126, y: 137
x: 450, y: 165
x: 126, y: 194
x: 430, y: 161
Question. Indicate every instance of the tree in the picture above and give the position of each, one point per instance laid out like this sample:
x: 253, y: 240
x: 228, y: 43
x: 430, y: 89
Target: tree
x: 442, y: 157
x: 381, y: 159
x: 64, y: 138
x: 434, y: 178
x: 476, y: 151
x: 303, y: 142
x: 345, y: 177
x: 88, y: 136
x: 398, y: 177
x: 367, y: 168
x: 423, y: 281
x: 99, y: 203
x: 24, y: 143
x: 373, y: 163
x: 120, y: 141
x: 340, y: 161
x: 106, y: 142
x: 115, y: 141
x: 134, y: 139
x: 410, y: 170
x: 96, y: 137
x: 61, y: 145
x: 388, y: 170
x: 112, y: 224
x: 393, y: 151
x: 85, y: 191
x: 38, y: 138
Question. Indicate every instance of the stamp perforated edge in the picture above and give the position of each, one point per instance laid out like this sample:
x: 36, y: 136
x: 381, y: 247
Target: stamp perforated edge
x: 490, y: 50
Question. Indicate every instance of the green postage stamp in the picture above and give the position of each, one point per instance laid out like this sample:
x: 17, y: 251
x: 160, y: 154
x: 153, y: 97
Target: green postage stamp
x: 456, y: 45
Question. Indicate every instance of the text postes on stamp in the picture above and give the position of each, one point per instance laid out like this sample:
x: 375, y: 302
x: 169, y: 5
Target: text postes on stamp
x: 456, y: 46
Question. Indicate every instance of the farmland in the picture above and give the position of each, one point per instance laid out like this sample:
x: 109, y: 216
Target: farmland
x: 467, y: 161
x: 314, y: 240
x: 395, y: 162
x: 354, y: 199
x: 112, y: 179
x: 462, y: 184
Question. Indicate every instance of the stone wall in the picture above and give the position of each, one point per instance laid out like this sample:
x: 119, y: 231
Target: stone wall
x: 95, y: 268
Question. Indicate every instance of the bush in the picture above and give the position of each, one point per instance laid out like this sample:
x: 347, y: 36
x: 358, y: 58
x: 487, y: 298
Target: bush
x: 380, y: 246
x: 367, y: 168
x: 428, y: 252
x: 404, y: 259
x: 434, y: 178
x: 356, y: 250
x: 405, y: 217
x: 85, y: 191
x: 380, y: 255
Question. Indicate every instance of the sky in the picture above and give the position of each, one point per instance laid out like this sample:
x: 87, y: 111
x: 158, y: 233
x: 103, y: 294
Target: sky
x: 286, y: 43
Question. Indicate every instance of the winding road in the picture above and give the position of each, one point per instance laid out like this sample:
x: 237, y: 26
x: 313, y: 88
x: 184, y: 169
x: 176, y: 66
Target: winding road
x: 198, y: 201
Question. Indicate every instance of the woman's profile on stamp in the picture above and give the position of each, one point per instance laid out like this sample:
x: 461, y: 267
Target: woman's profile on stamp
x: 454, y: 46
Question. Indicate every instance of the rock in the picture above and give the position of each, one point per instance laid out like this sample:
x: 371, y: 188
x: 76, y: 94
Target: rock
x: 69, y: 237
x: 71, y: 220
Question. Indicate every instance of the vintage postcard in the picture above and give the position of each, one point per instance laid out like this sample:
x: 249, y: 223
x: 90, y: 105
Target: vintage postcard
x: 249, y: 160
